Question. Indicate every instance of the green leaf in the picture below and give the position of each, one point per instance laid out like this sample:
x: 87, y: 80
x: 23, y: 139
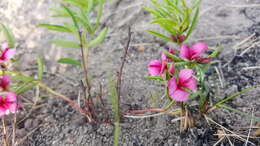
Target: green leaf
x: 157, y: 78
x: 23, y: 78
x: 90, y: 5
x: 174, y: 7
x: 84, y: 19
x: 73, y: 17
x: 40, y: 64
x: 193, y: 23
x: 59, y: 28
x: 159, y: 35
x: 99, y: 15
x: 173, y: 57
x: 153, y: 12
x: 165, y: 21
x: 99, y: 38
x: 24, y: 88
x: 8, y: 35
x: 59, y: 12
x: 196, y: 4
x: 77, y: 3
x: 179, y: 64
x: 235, y: 95
x: 215, y: 53
x: 70, y: 61
x: 66, y: 44
x: 247, y: 115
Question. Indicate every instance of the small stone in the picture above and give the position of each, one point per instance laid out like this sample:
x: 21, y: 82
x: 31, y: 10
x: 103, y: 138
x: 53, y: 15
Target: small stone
x: 105, y: 130
x: 28, y: 124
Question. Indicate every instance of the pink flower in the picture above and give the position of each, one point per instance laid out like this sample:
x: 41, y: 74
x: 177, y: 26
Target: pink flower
x: 4, y: 82
x: 172, y: 69
x: 157, y: 67
x: 176, y: 87
x: 6, y: 53
x: 8, y: 104
x: 194, y: 52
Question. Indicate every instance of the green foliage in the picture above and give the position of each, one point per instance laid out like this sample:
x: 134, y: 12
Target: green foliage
x: 175, y: 17
x: 66, y: 44
x: 8, y: 35
x: 40, y: 65
x: 23, y: 78
x: 79, y: 12
x: 215, y: 53
x: 99, y: 38
x: 55, y: 27
x: 70, y: 61
x: 88, y: 34
x: 157, y: 78
x: 25, y: 87
x: 115, y: 108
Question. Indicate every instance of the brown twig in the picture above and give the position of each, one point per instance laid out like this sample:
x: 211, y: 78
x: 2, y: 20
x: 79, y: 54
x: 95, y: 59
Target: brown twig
x: 104, y: 109
x: 5, y: 140
x: 119, y: 75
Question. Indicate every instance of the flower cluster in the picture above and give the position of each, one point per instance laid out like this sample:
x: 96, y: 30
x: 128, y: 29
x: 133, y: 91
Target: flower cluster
x: 180, y: 82
x: 8, y: 101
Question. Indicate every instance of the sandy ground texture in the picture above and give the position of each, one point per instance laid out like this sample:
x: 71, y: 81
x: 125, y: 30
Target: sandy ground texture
x: 54, y: 123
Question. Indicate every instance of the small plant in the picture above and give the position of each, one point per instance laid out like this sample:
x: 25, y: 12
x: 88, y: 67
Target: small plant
x: 182, y: 71
x: 87, y: 33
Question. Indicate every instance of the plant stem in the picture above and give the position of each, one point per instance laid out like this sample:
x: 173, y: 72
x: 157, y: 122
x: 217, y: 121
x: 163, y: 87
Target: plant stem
x: 5, y: 140
x: 71, y: 102
x: 84, y: 54
x: 119, y: 76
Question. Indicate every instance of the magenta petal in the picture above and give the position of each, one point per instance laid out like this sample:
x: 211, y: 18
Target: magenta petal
x: 154, y: 67
x: 10, y: 53
x: 197, y: 49
x: 10, y: 97
x: 180, y: 95
x: 185, y: 74
x: 2, y: 111
x: 190, y: 84
x: 4, y: 81
x: 164, y: 57
x: 185, y: 52
x: 172, y: 69
x: 172, y: 85
x: 171, y: 51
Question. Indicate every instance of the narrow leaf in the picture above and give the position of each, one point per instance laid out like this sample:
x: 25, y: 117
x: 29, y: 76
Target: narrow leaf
x: 247, y: 115
x: 99, y: 38
x: 73, y: 17
x: 55, y: 27
x: 8, y: 35
x: 66, y: 44
x: 215, y: 53
x: 157, y: 78
x: 159, y: 35
x: 173, y: 57
x: 23, y: 78
x: 25, y: 88
x: 70, y: 61
x: 193, y: 23
x: 40, y: 68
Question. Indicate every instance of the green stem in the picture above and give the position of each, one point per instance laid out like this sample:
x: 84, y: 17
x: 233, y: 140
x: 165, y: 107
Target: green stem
x: 85, y: 54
